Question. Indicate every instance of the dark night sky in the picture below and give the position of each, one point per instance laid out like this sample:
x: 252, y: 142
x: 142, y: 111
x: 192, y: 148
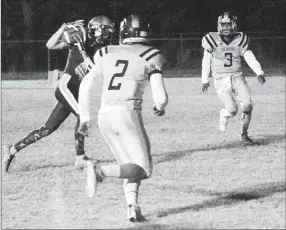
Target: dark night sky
x: 165, y: 16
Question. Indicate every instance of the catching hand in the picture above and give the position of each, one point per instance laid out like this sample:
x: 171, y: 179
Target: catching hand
x: 75, y: 24
x: 158, y: 112
x: 205, y: 87
x: 84, y: 128
x: 261, y: 79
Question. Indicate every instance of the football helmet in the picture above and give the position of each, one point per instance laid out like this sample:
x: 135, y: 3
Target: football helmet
x: 133, y: 29
x: 100, y: 30
x: 226, y: 24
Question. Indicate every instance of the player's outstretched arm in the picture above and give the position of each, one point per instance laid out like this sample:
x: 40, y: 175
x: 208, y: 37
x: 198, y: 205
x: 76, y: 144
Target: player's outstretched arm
x: 54, y: 42
x: 85, y: 91
x: 160, y: 95
x: 254, y: 65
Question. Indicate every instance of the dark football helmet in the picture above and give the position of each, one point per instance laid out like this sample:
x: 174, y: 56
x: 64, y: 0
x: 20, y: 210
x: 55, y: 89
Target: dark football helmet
x: 100, y: 30
x: 226, y: 24
x: 133, y: 29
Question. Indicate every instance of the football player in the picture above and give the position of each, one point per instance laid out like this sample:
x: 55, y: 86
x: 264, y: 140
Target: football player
x: 67, y: 88
x: 222, y: 56
x: 125, y: 70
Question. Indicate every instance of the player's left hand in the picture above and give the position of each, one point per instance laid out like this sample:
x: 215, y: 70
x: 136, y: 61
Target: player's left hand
x: 158, y: 112
x: 79, y: 43
x: 205, y: 87
x: 261, y: 79
x: 84, y: 128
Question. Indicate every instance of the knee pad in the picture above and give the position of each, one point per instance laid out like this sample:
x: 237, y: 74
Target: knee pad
x: 246, y: 107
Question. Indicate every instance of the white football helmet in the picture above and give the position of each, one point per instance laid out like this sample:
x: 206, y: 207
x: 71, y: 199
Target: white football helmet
x: 226, y: 24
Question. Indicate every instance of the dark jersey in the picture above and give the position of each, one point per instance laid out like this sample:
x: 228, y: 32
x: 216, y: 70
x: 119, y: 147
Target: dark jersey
x: 75, y: 66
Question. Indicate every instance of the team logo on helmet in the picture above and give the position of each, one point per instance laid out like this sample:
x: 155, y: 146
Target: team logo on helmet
x: 226, y: 24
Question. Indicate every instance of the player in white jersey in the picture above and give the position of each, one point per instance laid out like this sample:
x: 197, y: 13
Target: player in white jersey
x: 223, y: 51
x: 125, y: 71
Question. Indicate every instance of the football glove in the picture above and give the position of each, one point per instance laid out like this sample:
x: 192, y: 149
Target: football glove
x: 205, y: 87
x: 158, y: 112
x: 261, y: 79
x: 79, y: 43
x: 84, y: 128
x: 75, y: 24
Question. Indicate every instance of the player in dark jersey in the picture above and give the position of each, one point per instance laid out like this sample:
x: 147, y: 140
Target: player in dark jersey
x: 66, y: 91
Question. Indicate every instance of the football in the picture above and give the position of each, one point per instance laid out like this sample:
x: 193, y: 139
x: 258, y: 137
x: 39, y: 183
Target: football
x: 68, y: 35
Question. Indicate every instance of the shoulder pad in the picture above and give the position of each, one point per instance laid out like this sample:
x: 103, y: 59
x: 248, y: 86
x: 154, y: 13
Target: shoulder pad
x: 244, y: 40
x: 208, y: 41
x: 151, y: 54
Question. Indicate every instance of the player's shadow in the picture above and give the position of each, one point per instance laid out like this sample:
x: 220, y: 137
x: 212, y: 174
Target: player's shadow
x: 229, y: 198
x: 175, y: 155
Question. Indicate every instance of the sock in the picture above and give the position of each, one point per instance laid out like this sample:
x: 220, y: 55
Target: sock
x: 79, y: 144
x: 245, y: 121
x: 131, y: 192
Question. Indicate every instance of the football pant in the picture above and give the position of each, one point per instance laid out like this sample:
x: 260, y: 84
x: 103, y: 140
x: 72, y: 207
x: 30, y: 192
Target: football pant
x: 125, y: 134
x: 231, y: 88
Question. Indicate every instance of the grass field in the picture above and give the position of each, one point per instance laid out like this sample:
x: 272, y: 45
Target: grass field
x: 201, y: 178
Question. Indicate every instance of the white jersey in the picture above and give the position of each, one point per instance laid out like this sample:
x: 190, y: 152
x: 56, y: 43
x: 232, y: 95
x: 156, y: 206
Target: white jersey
x: 125, y: 71
x: 226, y: 59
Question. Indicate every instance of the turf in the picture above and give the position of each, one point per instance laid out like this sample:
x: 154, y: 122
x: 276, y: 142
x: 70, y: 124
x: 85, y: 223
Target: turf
x: 201, y: 177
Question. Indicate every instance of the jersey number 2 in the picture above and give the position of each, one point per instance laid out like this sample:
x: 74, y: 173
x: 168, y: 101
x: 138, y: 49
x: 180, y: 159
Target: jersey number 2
x: 121, y: 74
x: 229, y: 59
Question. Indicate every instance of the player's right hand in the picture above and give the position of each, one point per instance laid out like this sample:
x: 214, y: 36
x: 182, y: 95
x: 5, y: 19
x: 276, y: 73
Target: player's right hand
x: 205, y: 87
x: 261, y: 79
x: 158, y: 112
x: 84, y: 128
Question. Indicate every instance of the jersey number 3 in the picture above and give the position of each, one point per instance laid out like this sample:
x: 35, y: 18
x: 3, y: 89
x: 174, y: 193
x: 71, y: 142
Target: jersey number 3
x: 121, y: 74
x: 229, y: 59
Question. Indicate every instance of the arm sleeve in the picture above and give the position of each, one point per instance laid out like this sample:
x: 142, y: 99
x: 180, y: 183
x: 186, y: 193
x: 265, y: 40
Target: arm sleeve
x: 85, y: 93
x: 206, y: 66
x: 252, y: 62
x: 159, y: 93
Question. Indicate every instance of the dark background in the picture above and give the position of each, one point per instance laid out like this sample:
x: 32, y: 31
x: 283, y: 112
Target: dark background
x: 26, y: 25
x: 38, y: 19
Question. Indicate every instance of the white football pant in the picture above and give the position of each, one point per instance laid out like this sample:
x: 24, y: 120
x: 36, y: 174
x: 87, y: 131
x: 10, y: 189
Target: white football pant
x: 125, y: 134
x: 229, y: 88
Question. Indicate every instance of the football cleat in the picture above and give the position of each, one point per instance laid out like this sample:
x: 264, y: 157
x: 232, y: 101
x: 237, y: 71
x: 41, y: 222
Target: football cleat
x: 223, y: 121
x: 246, y: 140
x: 8, y: 158
x: 134, y: 214
x: 94, y: 175
x: 80, y: 161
